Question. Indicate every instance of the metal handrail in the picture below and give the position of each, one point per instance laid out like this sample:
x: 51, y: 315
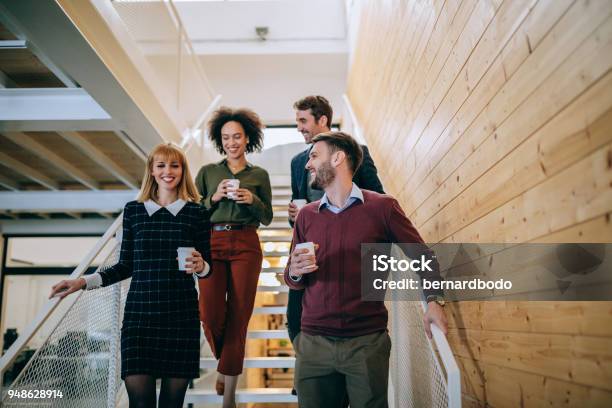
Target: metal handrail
x: 183, y: 33
x: 190, y: 137
x: 356, y: 127
x: 453, y: 375
x: 188, y: 140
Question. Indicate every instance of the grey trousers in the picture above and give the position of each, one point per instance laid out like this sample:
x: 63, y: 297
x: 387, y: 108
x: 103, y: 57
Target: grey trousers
x: 363, y: 362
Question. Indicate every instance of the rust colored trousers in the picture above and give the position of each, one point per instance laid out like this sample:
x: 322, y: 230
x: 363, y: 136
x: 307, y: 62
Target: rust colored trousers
x: 228, y: 295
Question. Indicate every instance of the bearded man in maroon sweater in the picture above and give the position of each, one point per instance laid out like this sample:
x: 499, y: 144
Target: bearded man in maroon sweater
x: 341, y: 333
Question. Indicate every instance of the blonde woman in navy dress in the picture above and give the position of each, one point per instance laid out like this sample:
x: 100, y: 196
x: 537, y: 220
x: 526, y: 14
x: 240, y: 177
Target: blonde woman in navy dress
x: 160, y: 336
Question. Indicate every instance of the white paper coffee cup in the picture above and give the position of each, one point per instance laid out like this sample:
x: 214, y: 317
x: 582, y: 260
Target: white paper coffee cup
x: 299, y: 203
x: 307, y: 245
x: 233, y: 185
x: 183, y: 254
x: 311, y: 250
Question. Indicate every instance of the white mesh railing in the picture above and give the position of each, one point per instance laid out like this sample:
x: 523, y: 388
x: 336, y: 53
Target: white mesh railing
x: 77, y: 364
x: 423, y: 372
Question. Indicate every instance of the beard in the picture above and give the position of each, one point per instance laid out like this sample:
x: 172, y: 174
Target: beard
x: 324, y: 176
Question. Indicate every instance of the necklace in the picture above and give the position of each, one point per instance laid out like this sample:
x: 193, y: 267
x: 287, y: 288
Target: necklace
x: 236, y: 168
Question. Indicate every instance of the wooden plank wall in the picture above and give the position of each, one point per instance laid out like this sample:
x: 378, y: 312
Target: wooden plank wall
x: 491, y: 121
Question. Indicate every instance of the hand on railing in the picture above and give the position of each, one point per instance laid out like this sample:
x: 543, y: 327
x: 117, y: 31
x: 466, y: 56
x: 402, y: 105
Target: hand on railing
x: 66, y: 287
x: 435, y: 314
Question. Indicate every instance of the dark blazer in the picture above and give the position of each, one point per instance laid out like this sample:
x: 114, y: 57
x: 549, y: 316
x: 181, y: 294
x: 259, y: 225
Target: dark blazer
x: 366, y: 176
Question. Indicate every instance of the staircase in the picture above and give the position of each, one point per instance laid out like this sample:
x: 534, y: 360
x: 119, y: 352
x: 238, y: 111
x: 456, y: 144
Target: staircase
x: 275, y: 240
x: 77, y: 346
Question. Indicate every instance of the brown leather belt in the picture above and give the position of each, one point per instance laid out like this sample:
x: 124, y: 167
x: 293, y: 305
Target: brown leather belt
x: 232, y: 227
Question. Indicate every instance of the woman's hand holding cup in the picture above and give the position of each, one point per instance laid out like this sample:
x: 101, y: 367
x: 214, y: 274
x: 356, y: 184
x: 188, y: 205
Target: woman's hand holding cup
x: 222, y: 190
x: 195, y: 263
x: 190, y: 260
x: 244, y: 196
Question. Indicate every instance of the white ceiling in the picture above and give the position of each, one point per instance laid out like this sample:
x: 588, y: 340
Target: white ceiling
x: 297, y: 26
x: 221, y: 27
x: 305, y: 52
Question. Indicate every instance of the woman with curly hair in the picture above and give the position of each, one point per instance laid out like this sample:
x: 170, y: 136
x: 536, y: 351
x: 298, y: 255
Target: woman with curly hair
x: 228, y: 296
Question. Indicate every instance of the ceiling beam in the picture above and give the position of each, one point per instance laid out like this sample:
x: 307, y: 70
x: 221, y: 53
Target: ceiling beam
x: 25, y: 37
x: 31, y: 144
x: 6, y: 82
x: 8, y: 214
x: 8, y: 183
x: 51, y: 66
x: 28, y: 171
x: 51, y: 110
x: 67, y: 45
x: 54, y: 226
x: 66, y: 201
x: 128, y: 141
x: 12, y: 45
x: 94, y: 125
x: 49, y: 104
x: 77, y: 140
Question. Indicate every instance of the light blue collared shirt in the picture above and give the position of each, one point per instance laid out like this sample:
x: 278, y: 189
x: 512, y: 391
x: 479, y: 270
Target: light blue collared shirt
x: 355, y: 195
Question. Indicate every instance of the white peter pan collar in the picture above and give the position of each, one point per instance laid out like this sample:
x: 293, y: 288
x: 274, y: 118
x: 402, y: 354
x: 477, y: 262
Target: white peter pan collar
x: 152, y: 207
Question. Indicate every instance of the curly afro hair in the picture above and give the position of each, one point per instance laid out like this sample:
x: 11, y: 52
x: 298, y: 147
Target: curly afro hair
x: 253, y: 128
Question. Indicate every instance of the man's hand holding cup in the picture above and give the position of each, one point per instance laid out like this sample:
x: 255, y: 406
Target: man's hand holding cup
x: 303, y: 260
x: 294, y: 208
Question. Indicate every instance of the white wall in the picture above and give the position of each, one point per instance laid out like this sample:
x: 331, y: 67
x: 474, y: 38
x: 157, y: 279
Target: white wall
x: 55, y: 251
x: 277, y: 160
x: 23, y: 297
x: 270, y: 84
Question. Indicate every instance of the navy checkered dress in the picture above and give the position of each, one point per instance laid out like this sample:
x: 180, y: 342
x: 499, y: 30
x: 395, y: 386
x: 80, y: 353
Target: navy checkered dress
x: 161, y: 326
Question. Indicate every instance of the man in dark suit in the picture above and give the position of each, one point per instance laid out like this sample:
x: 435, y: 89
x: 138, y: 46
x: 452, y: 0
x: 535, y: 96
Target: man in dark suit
x: 313, y: 115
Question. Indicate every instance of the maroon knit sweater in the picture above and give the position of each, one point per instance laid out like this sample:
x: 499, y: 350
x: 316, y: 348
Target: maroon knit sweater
x: 332, y: 304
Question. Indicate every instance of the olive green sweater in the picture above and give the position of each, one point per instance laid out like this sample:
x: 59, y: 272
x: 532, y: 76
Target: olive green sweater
x: 253, y: 178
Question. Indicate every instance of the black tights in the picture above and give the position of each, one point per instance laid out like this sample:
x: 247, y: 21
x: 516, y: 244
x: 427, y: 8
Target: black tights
x: 141, y: 391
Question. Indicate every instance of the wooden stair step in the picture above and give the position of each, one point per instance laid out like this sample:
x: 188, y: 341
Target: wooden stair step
x: 270, y: 310
x: 267, y: 334
x: 254, y: 362
x: 245, y: 395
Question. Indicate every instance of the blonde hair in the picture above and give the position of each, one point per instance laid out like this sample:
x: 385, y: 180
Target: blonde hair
x: 186, y: 188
